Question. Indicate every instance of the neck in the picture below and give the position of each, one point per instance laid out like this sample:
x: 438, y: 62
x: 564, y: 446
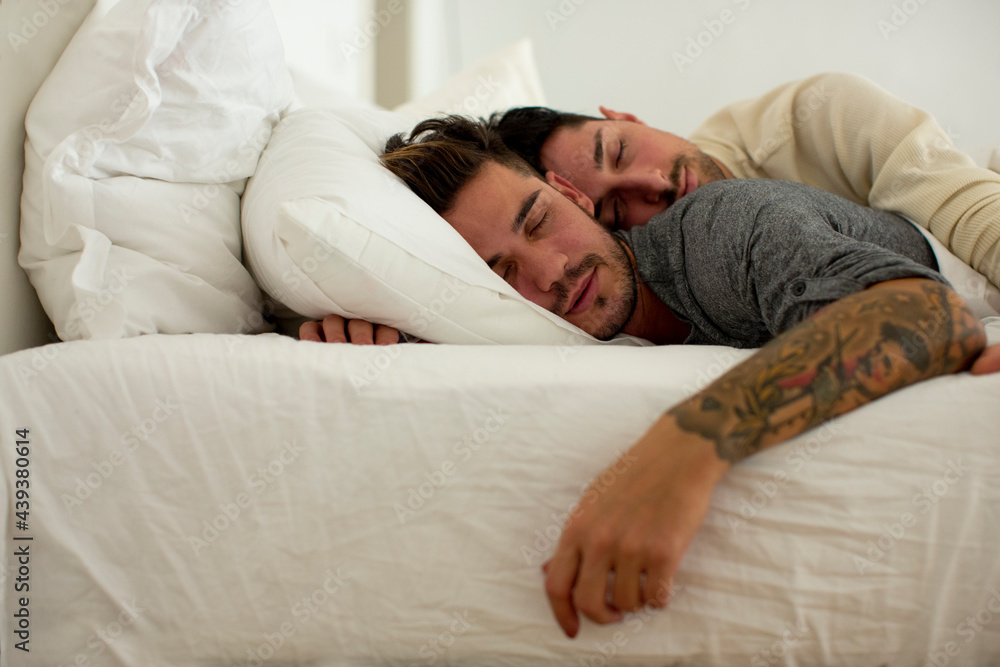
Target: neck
x: 724, y: 168
x: 652, y: 319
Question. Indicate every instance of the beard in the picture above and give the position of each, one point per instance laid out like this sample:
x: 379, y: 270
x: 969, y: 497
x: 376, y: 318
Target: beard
x: 616, y: 309
x: 702, y: 164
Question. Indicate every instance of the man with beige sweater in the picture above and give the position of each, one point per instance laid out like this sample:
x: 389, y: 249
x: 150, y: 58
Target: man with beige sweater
x: 837, y: 132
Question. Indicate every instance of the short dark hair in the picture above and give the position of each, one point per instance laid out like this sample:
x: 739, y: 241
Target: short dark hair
x: 442, y: 155
x: 526, y: 129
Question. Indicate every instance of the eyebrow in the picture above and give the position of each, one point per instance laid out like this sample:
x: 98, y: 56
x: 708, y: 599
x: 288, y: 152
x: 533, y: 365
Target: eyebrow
x: 598, y: 150
x: 517, y: 223
x: 599, y: 165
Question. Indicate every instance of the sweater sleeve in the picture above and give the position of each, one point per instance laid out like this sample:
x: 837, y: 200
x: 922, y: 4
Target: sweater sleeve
x: 843, y: 134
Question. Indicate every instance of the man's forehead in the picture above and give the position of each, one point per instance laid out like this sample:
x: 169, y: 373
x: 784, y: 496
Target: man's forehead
x: 575, y: 149
x: 496, y: 193
x: 502, y: 181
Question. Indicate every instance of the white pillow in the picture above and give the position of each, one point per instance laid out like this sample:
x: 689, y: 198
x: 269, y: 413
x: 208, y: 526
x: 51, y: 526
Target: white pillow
x: 979, y: 293
x: 139, y: 146
x: 505, y: 79
x: 327, y: 229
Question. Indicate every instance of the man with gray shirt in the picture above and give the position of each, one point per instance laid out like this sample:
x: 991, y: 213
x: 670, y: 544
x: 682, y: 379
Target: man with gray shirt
x: 845, y: 321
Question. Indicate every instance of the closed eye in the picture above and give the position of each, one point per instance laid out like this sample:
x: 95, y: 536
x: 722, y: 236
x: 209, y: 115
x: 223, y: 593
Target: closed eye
x: 507, y: 273
x: 541, y: 223
x: 622, y: 145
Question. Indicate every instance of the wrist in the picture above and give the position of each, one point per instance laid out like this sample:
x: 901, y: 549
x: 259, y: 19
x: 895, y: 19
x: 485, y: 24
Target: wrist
x: 699, y: 452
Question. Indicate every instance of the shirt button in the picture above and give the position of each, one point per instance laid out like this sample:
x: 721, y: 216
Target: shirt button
x: 799, y: 288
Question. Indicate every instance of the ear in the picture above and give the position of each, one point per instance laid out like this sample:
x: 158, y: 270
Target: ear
x: 569, y: 190
x: 619, y: 115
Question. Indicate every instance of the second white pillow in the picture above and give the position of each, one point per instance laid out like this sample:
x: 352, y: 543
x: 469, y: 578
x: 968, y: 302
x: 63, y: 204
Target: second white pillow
x: 329, y: 230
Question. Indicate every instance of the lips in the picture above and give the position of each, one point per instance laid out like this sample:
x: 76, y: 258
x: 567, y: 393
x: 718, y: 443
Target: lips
x: 585, y: 296
x: 687, y: 182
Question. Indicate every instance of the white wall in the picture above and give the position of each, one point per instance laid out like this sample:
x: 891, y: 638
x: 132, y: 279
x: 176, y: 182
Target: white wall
x: 940, y: 55
x: 330, y: 43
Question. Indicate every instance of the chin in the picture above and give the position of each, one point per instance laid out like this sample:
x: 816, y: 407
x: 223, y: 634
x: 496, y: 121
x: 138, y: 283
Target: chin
x: 615, y: 304
x: 617, y: 316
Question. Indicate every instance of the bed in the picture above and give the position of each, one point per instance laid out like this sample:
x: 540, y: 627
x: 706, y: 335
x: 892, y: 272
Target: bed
x: 183, y: 485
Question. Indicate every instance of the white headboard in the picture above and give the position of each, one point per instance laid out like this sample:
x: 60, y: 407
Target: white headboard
x: 37, y: 34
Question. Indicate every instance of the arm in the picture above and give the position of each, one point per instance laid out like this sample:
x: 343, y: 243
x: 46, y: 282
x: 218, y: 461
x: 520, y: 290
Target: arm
x: 851, y: 352
x: 843, y: 134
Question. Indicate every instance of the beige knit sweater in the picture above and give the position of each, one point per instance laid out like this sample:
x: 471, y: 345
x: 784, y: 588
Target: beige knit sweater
x: 844, y: 134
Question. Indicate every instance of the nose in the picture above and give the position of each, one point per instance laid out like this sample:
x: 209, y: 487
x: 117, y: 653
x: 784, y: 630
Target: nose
x: 541, y: 268
x: 647, y: 186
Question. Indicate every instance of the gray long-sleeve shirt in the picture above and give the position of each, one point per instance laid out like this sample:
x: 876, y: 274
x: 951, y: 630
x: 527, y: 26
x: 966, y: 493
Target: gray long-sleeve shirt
x: 743, y: 260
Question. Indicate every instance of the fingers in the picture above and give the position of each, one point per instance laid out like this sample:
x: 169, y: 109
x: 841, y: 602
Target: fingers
x: 336, y: 329
x: 602, y: 575
x: 627, y: 592
x: 360, y: 332
x: 333, y: 329
x: 635, y: 520
x: 987, y: 362
x: 310, y: 331
x: 656, y: 592
x: 591, y: 595
x: 560, y: 575
x: 386, y: 335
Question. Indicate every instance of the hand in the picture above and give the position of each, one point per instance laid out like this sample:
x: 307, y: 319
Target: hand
x: 638, y: 527
x: 988, y: 361
x: 335, y: 329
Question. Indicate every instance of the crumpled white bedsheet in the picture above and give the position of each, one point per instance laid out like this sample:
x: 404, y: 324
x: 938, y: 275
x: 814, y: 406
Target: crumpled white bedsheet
x: 239, y: 500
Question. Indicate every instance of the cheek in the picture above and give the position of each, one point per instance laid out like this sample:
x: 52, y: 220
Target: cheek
x: 667, y: 152
x: 578, y: 240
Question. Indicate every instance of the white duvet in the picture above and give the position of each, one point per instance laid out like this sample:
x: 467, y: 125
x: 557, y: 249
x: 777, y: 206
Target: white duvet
x: 235, y: 500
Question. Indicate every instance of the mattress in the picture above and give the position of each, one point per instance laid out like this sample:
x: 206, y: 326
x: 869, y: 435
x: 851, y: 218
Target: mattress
x: 241, y: 500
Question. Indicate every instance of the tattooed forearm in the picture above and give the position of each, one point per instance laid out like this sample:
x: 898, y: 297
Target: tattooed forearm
x: 851, y: 352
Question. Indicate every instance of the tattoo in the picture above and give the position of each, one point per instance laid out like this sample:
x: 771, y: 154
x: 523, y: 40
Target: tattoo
x: 849, y: 353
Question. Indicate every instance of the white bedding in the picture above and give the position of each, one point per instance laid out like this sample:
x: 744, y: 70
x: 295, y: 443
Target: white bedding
x: 306, y: 458
x: 139, y: 145
x: 138, y: 446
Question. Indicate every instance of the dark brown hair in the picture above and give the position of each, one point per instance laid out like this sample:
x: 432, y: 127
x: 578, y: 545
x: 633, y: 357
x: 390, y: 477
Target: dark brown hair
x: 441, y: 155
x: 526, y: 129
